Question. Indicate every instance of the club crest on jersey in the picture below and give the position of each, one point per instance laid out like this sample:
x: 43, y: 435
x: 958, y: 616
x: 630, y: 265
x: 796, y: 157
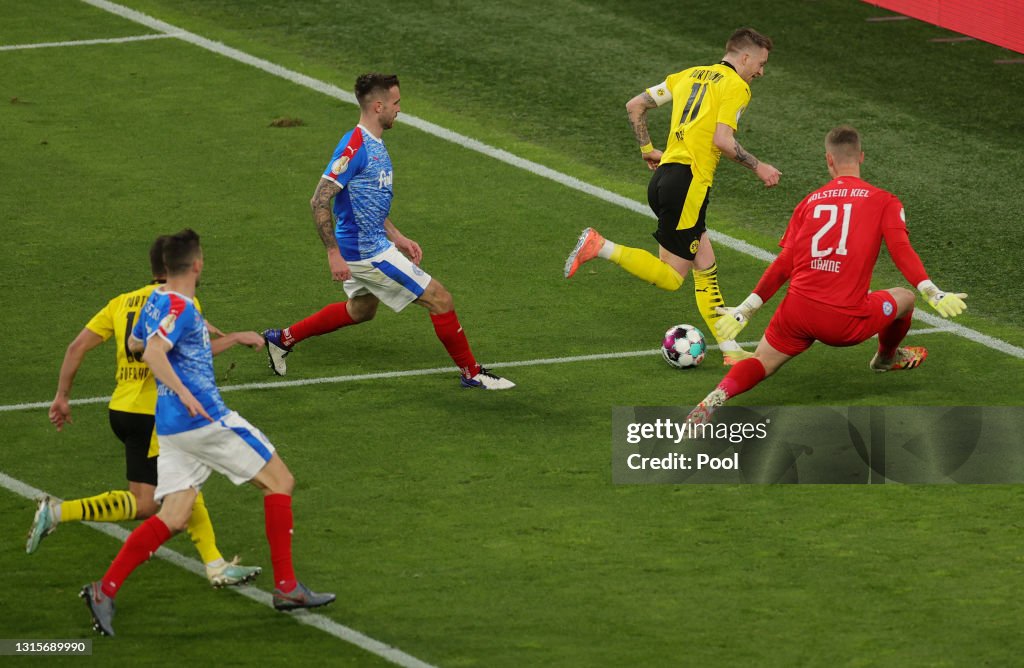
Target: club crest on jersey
x: 385, y: 179
x: 694, y: 245
x: 888, y: 308
x: 340, y: 165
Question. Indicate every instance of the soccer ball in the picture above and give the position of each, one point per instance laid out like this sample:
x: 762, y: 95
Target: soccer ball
x: 683, y: 347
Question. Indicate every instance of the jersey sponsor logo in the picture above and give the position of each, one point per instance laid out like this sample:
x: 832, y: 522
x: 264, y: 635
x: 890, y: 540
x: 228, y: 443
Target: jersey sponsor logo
x: 888, y: 308
x: 694, y: 245
x: 132, y: 373
x: 384, y: 179
x: 340, y: 165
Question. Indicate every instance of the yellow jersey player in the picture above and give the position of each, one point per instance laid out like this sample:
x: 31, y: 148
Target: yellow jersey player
x: 707, y: 103
x: 131, y: 411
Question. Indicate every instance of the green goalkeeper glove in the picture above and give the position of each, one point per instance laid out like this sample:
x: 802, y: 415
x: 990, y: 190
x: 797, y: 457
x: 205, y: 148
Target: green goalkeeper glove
x: 734, y: 319
x: 948, y: 304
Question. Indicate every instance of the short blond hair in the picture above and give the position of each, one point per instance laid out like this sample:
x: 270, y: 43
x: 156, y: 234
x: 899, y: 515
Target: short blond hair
x: 843, y: 143
x: 746, y: 38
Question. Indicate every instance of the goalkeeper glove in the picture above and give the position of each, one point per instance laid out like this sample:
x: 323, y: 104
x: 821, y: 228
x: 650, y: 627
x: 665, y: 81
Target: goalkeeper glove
x: 948, y: 304
x: 734, y: 319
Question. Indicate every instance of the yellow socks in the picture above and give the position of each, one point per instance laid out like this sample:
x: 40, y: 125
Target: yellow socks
x: 200, y: 530
x: 120, y: 505
x: 115, y: 506
x: 645, y: 266
x: 705, y: 289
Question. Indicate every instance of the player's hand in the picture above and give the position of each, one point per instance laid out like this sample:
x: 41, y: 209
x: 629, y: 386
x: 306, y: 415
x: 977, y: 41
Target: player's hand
x: 193, y: 406
x: 339, y: 268
x: 60, y: 413
x: 735, y: 318
x: 768, y: 174
x: 947, y: 304
x: 254, y: 340
x: 410, y: 249
x: 652, y: 158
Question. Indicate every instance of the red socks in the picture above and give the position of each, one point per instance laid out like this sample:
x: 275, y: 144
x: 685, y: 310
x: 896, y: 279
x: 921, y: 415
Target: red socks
x: 139, y: 547
x: 890, y: 338
x: 449, y: 331
x: 335, y: 316
x: 324, y: 321
x: 742, y: 376
x: 277, y: 510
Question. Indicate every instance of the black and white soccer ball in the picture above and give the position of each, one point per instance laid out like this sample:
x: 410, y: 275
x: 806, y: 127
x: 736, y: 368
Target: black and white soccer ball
x: 683, y: 347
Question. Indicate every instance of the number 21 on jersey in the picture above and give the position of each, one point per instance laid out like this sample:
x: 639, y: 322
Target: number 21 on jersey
x: 832, y: 211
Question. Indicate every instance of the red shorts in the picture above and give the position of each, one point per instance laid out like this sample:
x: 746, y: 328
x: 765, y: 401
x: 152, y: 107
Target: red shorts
x: 799, y: 322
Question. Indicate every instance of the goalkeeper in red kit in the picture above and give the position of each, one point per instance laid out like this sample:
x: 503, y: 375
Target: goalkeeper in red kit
x: 828, y: 253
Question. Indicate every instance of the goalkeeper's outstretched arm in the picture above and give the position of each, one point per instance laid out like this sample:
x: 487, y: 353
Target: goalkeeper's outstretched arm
x: 906, y: 259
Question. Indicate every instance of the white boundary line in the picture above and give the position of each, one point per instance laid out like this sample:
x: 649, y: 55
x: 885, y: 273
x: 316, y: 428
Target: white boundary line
x: 392, y: 654
x: 323, y: 380
x: 86, y: 42
x: 499, y: 154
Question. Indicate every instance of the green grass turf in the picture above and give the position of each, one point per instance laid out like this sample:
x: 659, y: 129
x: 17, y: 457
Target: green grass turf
x: 550, y: 81
x: 478, y: 529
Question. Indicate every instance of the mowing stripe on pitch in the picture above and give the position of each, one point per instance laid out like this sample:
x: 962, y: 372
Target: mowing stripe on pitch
x: 497, y: 153
x: 307, y: 617
x: 277, y: 384
x: 88, y: 42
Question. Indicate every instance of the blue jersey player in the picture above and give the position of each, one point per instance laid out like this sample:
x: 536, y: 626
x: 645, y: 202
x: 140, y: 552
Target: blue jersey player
x: 198, y: 434
x: 365, y: 250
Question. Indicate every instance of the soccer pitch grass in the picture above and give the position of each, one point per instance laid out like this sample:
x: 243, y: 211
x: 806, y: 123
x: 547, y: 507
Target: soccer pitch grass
x: 478, y: 529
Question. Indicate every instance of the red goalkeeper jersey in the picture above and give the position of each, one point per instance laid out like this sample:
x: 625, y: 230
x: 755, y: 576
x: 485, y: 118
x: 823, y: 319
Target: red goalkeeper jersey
x: 832, y: 242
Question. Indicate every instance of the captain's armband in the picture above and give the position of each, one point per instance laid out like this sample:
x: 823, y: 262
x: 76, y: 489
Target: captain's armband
x: 660, y: 93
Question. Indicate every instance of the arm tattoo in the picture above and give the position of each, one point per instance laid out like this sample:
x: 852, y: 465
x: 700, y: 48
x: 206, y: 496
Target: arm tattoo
x: 322, y: 214
x: 744, y: 158
x: 639, y: 121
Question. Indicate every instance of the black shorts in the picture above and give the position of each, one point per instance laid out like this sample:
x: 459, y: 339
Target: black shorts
x: 680, y: 205
x: 135, y: 430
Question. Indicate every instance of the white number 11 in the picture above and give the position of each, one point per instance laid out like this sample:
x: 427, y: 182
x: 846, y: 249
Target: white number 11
x: 833, y: 213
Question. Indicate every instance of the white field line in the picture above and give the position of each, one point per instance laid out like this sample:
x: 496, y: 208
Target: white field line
x: 86, y: 42
x: 274, y: 385
x: 499, y: 154
x: 392, y: 654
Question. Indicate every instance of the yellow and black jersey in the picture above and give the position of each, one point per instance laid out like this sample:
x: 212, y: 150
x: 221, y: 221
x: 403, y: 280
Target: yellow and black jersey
x: 702, y: 97
x: 136, y: 388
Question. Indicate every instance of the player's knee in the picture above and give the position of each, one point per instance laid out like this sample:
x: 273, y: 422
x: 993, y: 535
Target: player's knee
x: 176, y: 521
x: 904, y: 299
x: 145, y: 508
x: 281, y: 485
x: 439, y: 300
x: 282, y: 481
x: 362, y: 310
x: 286, y: 484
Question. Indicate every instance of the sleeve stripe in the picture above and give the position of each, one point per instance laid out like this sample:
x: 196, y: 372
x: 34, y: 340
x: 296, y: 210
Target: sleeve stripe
x: 355, y: 142
x: 177, y: 304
